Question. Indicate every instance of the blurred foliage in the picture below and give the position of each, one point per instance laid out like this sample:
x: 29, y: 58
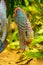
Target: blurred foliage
x: 34, y: 12
x: 35, y: 49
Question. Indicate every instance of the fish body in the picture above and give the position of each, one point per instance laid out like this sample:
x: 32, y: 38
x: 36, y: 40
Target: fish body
x: 3, y: 25
x: 26, y: 34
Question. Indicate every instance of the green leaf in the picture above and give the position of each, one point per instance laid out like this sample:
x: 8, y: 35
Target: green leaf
x: 37, y: 40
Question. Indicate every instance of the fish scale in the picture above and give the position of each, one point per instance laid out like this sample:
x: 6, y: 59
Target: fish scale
x: 26, y: 34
